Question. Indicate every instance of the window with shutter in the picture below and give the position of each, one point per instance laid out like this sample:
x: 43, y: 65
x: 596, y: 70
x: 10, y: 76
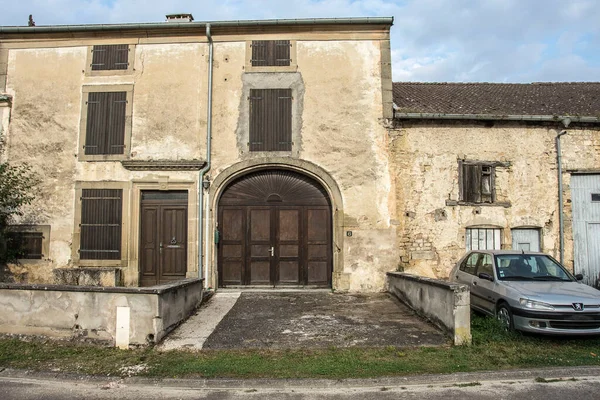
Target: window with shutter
x: 105, y: 131
x: 26, y: 245
x: 267, y: 53
x: 270, y: 120
x: 106, y: 122
x: 477, y: 182
x: 101, y: 218
x: 110, y: 57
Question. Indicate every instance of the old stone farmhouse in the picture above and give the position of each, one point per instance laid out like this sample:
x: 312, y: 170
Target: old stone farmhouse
x: 280, y: 153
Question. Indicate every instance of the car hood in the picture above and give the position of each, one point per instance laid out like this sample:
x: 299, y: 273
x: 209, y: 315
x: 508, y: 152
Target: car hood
x: 556, y: 292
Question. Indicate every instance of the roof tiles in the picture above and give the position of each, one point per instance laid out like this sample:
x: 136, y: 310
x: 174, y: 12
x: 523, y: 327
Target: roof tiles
x: 575, y: 99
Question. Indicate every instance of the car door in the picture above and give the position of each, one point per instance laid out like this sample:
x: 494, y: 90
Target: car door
x: 483, y: 295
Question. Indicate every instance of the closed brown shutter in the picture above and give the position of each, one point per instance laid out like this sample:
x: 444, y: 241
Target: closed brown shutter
x: 101, y: 217
x: 27, y: 245
x: 270, y: 119
x: 110, y: 57
x: 105, y: 130
x: 267, y: 53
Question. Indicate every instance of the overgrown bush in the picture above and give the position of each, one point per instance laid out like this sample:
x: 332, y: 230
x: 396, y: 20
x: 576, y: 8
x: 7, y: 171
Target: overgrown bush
x: 17, y: 184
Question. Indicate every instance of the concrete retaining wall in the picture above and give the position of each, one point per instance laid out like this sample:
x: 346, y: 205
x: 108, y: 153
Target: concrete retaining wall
x: 446, y: 304
x: 85, y: 311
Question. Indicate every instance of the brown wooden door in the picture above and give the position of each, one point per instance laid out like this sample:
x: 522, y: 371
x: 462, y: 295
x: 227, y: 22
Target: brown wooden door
x: 275, y: 229
x: 163, y: 237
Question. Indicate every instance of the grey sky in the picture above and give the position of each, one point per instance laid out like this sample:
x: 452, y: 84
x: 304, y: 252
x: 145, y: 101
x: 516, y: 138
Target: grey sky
x: 432, y: 40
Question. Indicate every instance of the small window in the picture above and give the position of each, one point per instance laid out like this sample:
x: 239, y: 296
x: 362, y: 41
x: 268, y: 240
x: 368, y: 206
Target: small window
x: 477, y: 182
x: 470, y: 264
x: 101, y: 218
x: 596, y: 197
x: 271, y: 56
x: 28, y: 242
x: 110, y: 57
x: 270, y: 120
x: 26, y: 245
x: 269, y: 53
x: 483, y: 239
x: 485, y: 265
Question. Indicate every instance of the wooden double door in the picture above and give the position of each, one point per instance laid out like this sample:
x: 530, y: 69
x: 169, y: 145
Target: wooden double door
x: 275, y: 230
x: 163, y: 237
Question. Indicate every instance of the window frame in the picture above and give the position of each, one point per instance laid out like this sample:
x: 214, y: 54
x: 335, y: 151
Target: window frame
x: 492, y: 178
x: 45, y: 231
x: 128, y: 89
x: 79, y: 186
x: 109, y: 72
x: 293, y: 67
x: 468, y: 234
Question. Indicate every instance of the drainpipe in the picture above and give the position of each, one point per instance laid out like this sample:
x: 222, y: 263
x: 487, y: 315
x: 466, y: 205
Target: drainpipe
x: 206, y: 167
x: 561, y: 223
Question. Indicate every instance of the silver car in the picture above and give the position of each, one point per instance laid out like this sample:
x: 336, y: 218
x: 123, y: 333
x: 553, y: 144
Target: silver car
x: 529, y: 291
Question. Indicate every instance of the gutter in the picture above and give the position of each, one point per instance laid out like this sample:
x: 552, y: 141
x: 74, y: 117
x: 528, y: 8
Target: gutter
x: 199, y: 25
x: 495, y: 117
x: 206, y: 167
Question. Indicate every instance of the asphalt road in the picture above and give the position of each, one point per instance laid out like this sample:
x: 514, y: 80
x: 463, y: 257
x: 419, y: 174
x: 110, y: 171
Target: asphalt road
x: 574, y: 383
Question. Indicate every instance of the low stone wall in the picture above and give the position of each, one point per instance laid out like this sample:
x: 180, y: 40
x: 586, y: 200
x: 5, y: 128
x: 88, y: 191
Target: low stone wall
x: 444, y: 303
x: 121, y: 315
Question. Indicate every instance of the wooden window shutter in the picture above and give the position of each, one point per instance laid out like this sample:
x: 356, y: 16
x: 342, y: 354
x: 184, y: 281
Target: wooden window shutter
x: 471, y: 180
x: 28, y: 245
x: 105, y: 129
x: 267, y: 53
x: 101, y: 218
x: 110, y: 57
x: 270, y: 120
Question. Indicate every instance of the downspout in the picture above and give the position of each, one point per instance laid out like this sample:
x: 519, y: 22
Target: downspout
x: 206, y: 167
x: 561, y: 222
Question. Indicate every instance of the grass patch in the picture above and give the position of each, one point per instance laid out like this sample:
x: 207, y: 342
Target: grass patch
x: 492, y: 349
x: 468, y: 384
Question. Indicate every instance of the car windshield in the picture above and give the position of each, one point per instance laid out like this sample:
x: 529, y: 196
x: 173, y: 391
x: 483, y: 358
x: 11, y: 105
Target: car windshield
x: 530, y: 267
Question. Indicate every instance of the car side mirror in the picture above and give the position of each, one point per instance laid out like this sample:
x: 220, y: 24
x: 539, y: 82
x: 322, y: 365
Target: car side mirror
x: 579, y: 277
x: 487, y: 277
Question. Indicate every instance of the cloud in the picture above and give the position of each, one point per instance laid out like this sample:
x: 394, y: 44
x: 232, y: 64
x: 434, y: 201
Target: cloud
x: 432, y: 40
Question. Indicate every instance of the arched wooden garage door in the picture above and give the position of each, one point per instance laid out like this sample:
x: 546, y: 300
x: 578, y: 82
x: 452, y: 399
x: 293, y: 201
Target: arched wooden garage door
x: 275, y: 229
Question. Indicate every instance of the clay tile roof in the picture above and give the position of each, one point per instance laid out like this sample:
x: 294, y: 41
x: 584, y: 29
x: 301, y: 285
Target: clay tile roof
x: 574, y: 99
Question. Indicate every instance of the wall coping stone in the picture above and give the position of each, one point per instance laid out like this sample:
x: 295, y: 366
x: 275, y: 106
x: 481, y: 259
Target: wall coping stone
x: 158, y: 289
x: 456, y: 287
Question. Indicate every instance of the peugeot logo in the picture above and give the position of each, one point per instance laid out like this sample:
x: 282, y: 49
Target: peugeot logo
x: 578, y: 306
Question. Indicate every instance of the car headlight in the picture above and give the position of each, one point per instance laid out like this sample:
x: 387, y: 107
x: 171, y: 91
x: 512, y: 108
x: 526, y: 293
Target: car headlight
x: 535, y: 305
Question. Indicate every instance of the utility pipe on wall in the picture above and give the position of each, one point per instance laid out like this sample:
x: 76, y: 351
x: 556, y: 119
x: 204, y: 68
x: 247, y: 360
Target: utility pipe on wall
x: 561, y: 222
x: 207, y: 165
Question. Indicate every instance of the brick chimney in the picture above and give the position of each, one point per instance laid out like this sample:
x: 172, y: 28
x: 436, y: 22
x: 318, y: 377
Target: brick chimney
x: 180, y: 18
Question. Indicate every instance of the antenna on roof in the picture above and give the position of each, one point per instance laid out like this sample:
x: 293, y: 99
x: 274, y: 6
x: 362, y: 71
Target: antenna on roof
x: 31, y: 21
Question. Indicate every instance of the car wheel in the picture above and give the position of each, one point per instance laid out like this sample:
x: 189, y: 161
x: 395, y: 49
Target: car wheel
x: 505, y: 317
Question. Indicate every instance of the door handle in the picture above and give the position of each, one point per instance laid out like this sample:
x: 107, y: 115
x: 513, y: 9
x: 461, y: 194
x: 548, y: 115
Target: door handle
x: 474, y: 283
x: 160, y: 247
x: 272, y: 251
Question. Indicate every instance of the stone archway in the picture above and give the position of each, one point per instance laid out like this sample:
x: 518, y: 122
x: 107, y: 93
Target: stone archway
x: 310, y: 171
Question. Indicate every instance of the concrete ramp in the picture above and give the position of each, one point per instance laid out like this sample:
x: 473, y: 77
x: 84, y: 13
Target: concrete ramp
x: 193, y: 333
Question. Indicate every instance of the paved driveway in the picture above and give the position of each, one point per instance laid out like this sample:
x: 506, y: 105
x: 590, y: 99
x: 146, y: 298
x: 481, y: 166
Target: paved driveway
x: 314, y: 319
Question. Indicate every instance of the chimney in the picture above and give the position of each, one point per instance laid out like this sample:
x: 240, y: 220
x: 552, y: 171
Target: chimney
x: 180, y: 18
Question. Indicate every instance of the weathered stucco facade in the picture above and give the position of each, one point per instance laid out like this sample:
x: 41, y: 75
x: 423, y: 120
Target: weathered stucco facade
x: 426, y: 157
x: 393, y: 183
x: 341, y: 89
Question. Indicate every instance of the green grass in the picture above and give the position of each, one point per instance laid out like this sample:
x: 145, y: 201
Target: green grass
x: 492, y: 349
